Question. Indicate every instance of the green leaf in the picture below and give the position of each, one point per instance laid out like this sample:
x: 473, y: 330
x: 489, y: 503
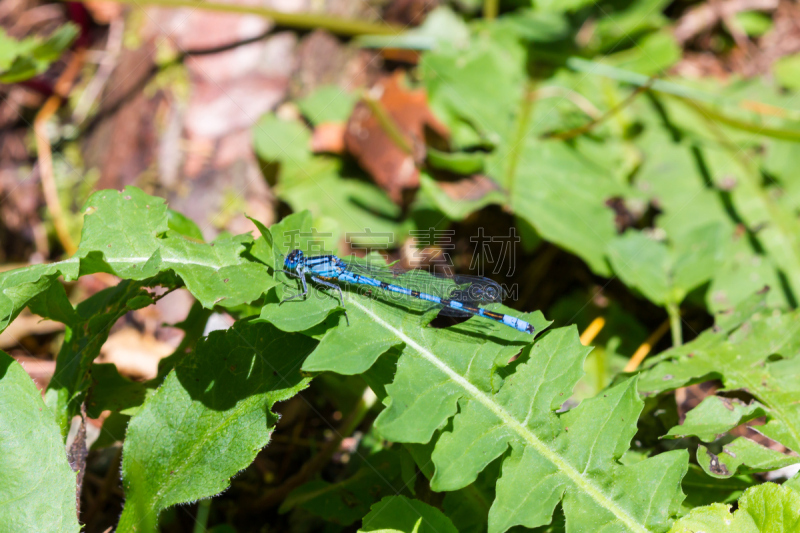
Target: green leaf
x: 456, y: 202
x: 668, y: 273
x: 742, y: 455
x: 458, y: 162
x: 765, y: 508
x: 183, y: 225
x: 37, y: 486
x: 716, y: 415
x: 21, y: 60
x: 126, y: 234
x: 753, y: 23
x: 787, y: 71
x: 653, y: 54
x: 86, y: 330
x: 110, y: 391
x: 701, y: 489
x: 216, y: 407
x: 323, y: 185
x: 441, y: 28
x: 559, y: 189
x: 451, y: 373
x: 295, y: 232
x: 757, y: 354
x: 403, y: 515
x: 328, y: 103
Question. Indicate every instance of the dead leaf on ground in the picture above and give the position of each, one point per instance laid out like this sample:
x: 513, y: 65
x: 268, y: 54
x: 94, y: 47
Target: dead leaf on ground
x: 328, y: 137
x: 135, y: 354
x: 24, y: 325
x: 40, y: 371
x: 103, y: 12
x: 392, y: 162
x: 469, y: 189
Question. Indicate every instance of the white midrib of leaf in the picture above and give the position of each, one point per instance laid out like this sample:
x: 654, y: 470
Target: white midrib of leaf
x: 136, y: 260
x: 563, y: 466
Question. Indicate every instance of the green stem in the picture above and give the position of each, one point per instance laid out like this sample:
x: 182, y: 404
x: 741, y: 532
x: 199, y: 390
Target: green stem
x: 674, y: 312
x: 388, y: 125
x: 300, y: 21
x: 490, y: 9
x: 518, y: 140
x: 203, y: 509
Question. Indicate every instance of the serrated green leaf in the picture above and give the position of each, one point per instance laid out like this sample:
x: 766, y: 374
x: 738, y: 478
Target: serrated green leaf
x: 85, y: 332
x: 126, y: 234
x: 398, y: 514
x: 215, y: 406
x: 37, y: 486
x: 442, y: 373
x: 742, y: 455
x: 765, y: 508
x: 758, y: 356
x: 716, y: 415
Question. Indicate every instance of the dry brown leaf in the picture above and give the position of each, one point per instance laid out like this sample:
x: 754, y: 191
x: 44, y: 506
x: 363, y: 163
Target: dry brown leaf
x: 135, y: 354
x: 25, y: 325
x: 392, y: 162
x: 472, y: 188
x: 328, y: 137
x: 103, y: 12
x: 40, y: 371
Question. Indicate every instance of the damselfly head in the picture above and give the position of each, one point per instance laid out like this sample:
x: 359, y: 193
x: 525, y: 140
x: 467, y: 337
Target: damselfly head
x: 294, y: 258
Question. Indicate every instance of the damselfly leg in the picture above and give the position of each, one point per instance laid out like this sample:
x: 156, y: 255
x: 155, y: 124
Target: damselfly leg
x: 302, y: 278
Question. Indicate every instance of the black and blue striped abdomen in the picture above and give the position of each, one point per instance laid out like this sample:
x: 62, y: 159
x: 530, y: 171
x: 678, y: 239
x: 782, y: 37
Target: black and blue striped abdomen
x: 358, y: 279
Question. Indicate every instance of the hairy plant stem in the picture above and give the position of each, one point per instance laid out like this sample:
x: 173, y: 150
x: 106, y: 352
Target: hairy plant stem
x: 300, y: 21
x: 674, y: 312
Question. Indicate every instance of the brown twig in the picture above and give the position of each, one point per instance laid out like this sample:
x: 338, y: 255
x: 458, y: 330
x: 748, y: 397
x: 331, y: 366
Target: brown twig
x: 45, y: 155
x: 575, y: 132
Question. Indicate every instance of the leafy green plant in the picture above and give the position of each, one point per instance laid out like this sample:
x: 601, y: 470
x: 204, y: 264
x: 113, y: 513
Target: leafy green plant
x: 21, y: 60
x: 678, y: 194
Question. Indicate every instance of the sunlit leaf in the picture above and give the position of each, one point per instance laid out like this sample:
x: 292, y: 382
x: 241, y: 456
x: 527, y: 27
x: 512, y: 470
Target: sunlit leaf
x: 768, y: 507
x: 37, y: 486
x: 209, y: 419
